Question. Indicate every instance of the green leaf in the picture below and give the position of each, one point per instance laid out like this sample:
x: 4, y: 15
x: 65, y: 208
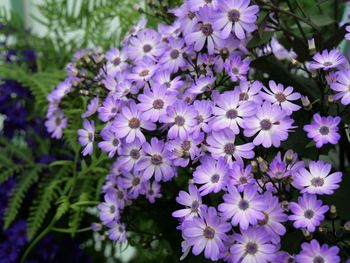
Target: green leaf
x: 322, y: 20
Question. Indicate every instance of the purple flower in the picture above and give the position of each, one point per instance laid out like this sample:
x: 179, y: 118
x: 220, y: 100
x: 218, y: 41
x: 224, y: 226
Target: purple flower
x: 237, y: 68
x: 327, y: 60
x: 229, y: 112
x: 341, y: 86
x: 191, y: 200
x: 347, y: 35
x: 204, y: 109
x: 172, y: 60
x: 195, y: 5
x: 211, y: 174
x: 117, y: 232
x: 281, y: 96
x: 186, y: 18
x: 206, y: 233
x: 203, y: 32
x: 130, y: 155
x: 237, y: 17
x: 87, y: 136
x: 222, y: 144
x: 152, y: 191
x: 108, y: 210
x: 323, y: 130
x: 183, y: 119
x: 133, y: 182
x: 56, y: 123
x: 308, y: 212
x: 109, y: 109
x: 250, y: 91
x: 110, y: 144
x: 271, y: 123
x: 165, y: 79
x: 128, y: 123
x: 243, y: 210
x: 153, y: 103
x: 317, y: 180
x: 240, y: 177
x: 202, y: 85
x: 155, y: 161
x: 253, y: 245
x: 312, y: 252
x: 91, y: 108
x: 143, y: 71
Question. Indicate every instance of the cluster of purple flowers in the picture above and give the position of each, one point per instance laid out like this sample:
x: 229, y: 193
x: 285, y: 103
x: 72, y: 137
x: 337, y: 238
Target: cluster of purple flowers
x: 181, y: 97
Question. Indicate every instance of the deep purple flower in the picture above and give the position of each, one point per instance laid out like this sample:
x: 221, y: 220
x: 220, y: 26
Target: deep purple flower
x: 206, y: 233
x: 191, y: 200
x: 243, y: 210
x: 341, y: 86
x: 271, y: 123
x: 237, y: 17
x: 211, y: 174
x: 253, y: 245
x: 128, y: 123
x: 281, y: 96
x: 87, y: 137
x: 327, y: 60
x: 323, y: 130
x: 240, y: 177
x: 313, y: 253
x: 308, y: 212
x: 318, y: 179
x: 91, y: 108
x: 17, y: 233
x: 108, y: 210
x: 155, y: 161
x: 237, y: 68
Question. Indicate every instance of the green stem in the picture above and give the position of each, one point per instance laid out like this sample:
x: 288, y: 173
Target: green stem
x: 69, y: 231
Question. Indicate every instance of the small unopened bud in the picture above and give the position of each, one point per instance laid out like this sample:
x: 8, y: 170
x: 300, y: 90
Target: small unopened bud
x: 294, y: 61
x: 96, y: 227
x: 347, y: 226
x: 333, y: 212
x: 224, y: 53
x: 262, y: 165
x: 306, y: 103
x: 330, y: 99
x: 254, y: 165
x: 307, y: 234
x: 289, y: 156
x: 138, y: 8
x: 322, y: 230
x: 285, y: 205
x: 190, y: 181
x: 312, y: 46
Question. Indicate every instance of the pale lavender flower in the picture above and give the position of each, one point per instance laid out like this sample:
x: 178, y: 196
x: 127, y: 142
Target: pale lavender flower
x: 243, y: 210
x: 206, y: 233
x: 165, y: 79
x: 195, y: 5
x: 155, y: 161
x: 109, y: 109
x: 108, y: 210
x: 313, y: 253
x: 323, y: 130
x: 87, y: 136
x: 202, y: 85
x: 186, y: 18
x: 277, y: 94
x: 91, y: 108
x: 237, y: 68
x: 110, y: 144
x: 317, y: 180
x: 240, y: 177
x: 133, y: 183
x: 191, y: 200
x: 347, y: 35
x: 308, y: 212
x: 327, y: 60
x: 152, y: 191
x: 143, y: 71
x: 250, y: 91
x: 204, y: 109
x: 271, y: 124
x: 117, y: 232
x: 56, y: 123
x: 211, y: 174
x: 173, y: 59
x: 116, y: 61
x: 341, y: 86
x: 128, y: 124
x: 238, y: 17
x: 130, y: 154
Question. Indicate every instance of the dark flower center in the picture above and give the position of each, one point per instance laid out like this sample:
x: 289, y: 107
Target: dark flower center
x: 309, y: 214
x: 136, y: 181
x: 234, y: 15
x: 243, y: 205
x: 209, y: 232
x: 134, y: 123
x: 191, y: 15
x: 229, y: 148
x: 113, y: 110
x: 120, y: 229
x: 117, y: 61
x: 235, y: 70
x: 156, y: 159
x: 266, y: 124
x: 147, y: 48
x: 200, y: 118
x: 318, y: 259
x: 215, y: 178
x: 144, y: 73
x: 115, y: 142
x: 251, y: 248
x: 174, y: 54
x: 324, y: 130
x: 112, y: 209
x: 179, y: 121
x: 243, y: 96
x: 186, y: 145
x: 58, y: 121
x: 120, y: 194
x: 265, y: 220
x: 158, y: 104
x: 327, y: 64
x: 195, y: 206
x: 207, y: 29
x: 317, y: 181
x: 90, y: 137
x: 150, y: 192
x: 243, y: 180
x: 231, y: 114
x: 280, y: 97
x: 135, y: 154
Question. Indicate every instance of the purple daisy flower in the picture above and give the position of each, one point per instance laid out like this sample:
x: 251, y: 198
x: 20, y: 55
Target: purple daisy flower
x: 202, y: 85
x: 327, y: 60
x: 211, y: 174
x: 347, y: 35
x: 323, y: 130
x: 243, y: 210
x: 271, y: 123
x: 87, y: 137
x: 237, y: 68
x: 109, y: 109
x: 116, y: 61
x: 133, y: 182
x: 229, y: 112
x: 91, y: 108
x: 186, y: 18
x: 206, y: 233
x: 165, y: 79
x: 312, y: 252
x: 152, y: 191
x: 110, y: 144
x: 155, y: 161
x: 222, y: 144
x: 281, y: 96
x: 153, y: 103
x: 108, y: 210
x: 238, y: 17
x: 318, y: 179
x: 250, y: 91
x: 191, y: 200
x: 341, y: 86
x: 117, y: 232
x: 183, y: 119
x: 143, y: 71
x: 195, y: 5
x: 204, y: 109
x: 130, y: 155
x: 253, y: 245
x: 240, y: 177
x: 56, y: 123
x: 173, y: 59
x: 128, y: 123
x: 204, y: 33
x: 308, y: 212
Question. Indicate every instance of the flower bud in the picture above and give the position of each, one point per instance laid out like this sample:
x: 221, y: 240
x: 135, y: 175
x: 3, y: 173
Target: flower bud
x: 96, y: 227
x: 333, y: 212
x: 254, y: 165
x: 224, y: 53
x: 289, y: 156
x: 262, y: 165
x: 306, y: 103
x: 330, y: 99
x: 312, y: 45
x: 347, y: 226
x: 307, y: 234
